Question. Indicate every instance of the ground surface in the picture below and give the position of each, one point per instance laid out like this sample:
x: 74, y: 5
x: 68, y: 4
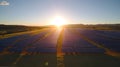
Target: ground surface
x: 67, y: 47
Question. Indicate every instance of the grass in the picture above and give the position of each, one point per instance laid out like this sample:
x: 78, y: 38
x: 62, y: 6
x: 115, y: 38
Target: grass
x: 100, y: 60
x: 21, y: 33
x: 39, y: 60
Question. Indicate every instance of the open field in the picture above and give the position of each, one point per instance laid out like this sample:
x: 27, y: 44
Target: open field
x: 66, y: 47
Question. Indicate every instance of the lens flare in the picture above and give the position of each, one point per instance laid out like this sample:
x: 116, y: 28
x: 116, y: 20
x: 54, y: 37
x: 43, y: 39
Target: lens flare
x: 58, y: 21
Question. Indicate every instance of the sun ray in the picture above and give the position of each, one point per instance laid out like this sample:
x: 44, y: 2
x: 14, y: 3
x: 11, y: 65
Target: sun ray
x: 58, y: 21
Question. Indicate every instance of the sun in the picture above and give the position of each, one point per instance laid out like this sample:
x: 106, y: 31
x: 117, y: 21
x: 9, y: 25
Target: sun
x: 58, y: 21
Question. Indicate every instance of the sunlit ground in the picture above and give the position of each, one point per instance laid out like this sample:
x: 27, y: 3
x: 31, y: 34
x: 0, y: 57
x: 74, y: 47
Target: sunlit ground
x: 64, y: 59
x: 56, y: 39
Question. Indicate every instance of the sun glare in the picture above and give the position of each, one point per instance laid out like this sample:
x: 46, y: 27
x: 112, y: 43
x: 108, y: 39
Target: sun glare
x: 58, y: 21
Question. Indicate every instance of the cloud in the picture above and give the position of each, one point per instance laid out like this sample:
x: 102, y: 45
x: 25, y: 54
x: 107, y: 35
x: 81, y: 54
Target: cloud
x: 4, y: 3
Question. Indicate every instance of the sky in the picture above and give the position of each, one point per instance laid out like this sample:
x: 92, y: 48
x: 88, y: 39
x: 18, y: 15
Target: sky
x: 40, y: 12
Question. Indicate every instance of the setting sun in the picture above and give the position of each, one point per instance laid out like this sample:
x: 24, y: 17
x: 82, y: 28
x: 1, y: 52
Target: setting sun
x: 58, y: 21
